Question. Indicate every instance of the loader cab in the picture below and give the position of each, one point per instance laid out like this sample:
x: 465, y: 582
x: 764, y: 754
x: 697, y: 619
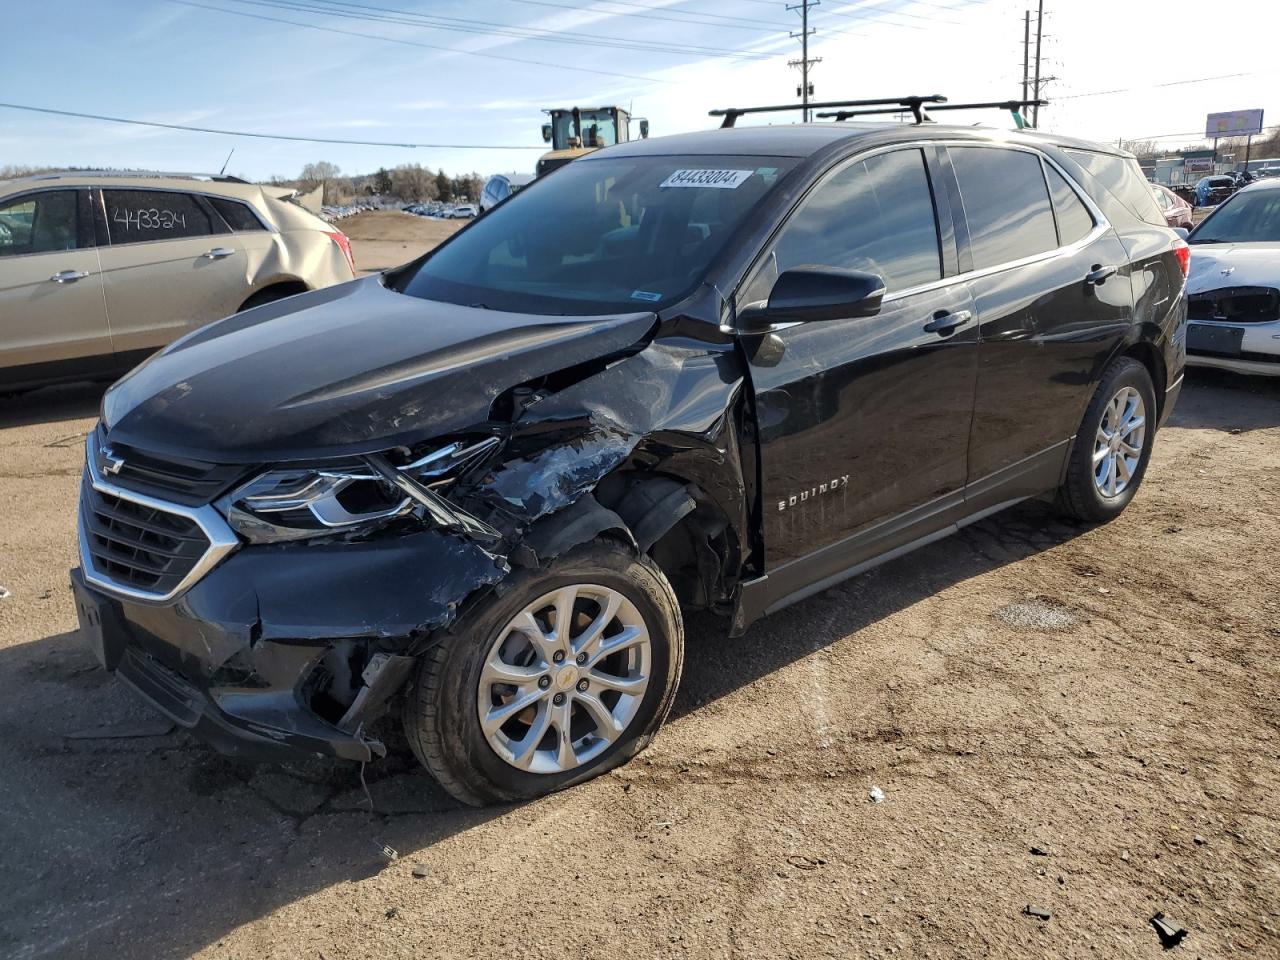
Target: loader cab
x: 575, y: 131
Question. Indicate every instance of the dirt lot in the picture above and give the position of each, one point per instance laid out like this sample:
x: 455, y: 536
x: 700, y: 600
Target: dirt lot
x: 1109, y: 696
x: 388, y: 238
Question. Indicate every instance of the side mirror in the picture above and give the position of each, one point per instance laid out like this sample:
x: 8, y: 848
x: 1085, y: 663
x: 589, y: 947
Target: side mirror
x: 546, y: 133
x: 644, y: 129
x: 808, y: 294
x: 1183, y: 232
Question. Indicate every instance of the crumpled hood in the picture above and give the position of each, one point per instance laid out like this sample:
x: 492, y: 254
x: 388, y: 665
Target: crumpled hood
x: 346, y: 370
x: 1250, y: 265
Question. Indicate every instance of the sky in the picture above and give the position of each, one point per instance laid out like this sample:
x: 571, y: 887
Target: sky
x: 479, y: 72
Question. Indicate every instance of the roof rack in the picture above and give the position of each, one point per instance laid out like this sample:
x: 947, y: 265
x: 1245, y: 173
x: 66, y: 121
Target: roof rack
x: 1015, y: 107
x: 135, y: 174
x: 914, y: 104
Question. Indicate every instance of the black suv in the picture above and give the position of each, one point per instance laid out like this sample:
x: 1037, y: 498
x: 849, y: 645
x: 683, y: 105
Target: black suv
x: 713, y: 371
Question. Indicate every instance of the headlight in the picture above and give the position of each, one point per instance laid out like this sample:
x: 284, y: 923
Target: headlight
x: 355, y: 496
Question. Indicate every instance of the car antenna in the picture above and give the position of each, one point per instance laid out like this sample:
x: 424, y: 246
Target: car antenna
x: 914, y: 104
x: 225, y: 162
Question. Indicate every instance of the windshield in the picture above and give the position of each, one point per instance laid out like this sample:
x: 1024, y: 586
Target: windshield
x: 1249, y: 217
x: 598, y: 128
x: 599, y: 236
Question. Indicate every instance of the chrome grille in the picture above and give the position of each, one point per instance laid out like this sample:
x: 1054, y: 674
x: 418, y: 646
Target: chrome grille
x: 136, y: 546
x: 142, y: 548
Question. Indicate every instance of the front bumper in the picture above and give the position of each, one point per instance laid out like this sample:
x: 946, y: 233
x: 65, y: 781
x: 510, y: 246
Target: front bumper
x: 251, y: 656
x: 254, y: 723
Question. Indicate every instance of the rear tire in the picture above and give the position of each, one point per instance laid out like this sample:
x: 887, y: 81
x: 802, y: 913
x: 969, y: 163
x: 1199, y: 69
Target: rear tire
x: 1105, y: 470
x: 524, y: 754
x: 269, y: 295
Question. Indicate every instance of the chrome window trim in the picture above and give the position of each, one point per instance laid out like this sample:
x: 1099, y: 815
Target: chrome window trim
x: 222, y: 539
x: 1101, y: 224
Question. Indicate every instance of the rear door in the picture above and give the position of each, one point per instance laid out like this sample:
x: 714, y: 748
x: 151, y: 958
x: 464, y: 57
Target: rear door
x: 863, y: 423
x: 1050, y: 281
x: 171, y: 265
x: 52, y: 315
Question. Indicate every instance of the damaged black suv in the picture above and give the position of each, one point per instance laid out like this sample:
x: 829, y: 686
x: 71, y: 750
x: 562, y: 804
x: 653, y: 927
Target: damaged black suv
x: 715, y: 371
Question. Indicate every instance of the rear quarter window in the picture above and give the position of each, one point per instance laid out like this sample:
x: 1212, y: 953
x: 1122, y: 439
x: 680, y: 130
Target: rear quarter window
x: 238, y: 215
x: 1121, y: 177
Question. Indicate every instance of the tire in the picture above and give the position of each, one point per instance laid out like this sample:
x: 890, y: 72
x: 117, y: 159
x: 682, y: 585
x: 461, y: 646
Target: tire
x: 1083, y: 496
x: 442, y: 710
x: 269, y: 295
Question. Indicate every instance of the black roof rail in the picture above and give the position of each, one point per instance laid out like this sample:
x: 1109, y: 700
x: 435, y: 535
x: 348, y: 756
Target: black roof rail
x: 1015, y: 107
x: 914, y: 104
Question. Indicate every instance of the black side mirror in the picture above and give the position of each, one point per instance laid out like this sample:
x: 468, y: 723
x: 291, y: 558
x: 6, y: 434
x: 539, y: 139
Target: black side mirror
x: 808, y: 294
x: 644, y: 129
x: 546, y: 133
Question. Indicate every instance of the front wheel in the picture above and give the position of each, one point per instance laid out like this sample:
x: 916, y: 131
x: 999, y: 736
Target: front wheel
x: 567, y: 673
x: 1113, y: 446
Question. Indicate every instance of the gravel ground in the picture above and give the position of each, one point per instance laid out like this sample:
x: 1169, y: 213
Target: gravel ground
x: 1107, y: 696
x: 381, y: 239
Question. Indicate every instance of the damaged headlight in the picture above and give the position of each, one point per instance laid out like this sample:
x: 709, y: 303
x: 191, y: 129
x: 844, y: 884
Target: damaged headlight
x: 356, y: 496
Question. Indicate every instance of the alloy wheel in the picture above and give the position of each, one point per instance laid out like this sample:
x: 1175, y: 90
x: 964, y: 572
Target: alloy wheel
x: 1118, y: 445
x: 564, y: 678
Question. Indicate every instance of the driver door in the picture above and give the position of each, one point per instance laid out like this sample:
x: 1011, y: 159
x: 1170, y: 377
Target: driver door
x: 864, y: 423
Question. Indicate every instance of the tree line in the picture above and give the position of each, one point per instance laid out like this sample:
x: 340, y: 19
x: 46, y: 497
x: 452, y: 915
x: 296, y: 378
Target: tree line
x: 408, y: 182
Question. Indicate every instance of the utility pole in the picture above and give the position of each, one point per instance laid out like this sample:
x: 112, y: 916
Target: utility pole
x: 804, y: 63
x: 1035, y: 111
x: 1026, y: 52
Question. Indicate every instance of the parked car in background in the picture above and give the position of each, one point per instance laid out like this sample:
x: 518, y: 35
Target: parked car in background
x: 1177, y: 212
x: 720, y: 371
x: 1234, y: 286
x: 500, y: 186
x: 1211, y: 191
x: 99, y: 271
x: 463, y: 211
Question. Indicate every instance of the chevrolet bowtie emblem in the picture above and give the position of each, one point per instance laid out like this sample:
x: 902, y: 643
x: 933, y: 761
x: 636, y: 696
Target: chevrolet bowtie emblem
x: 1228, y: 271
x: 111, y: 464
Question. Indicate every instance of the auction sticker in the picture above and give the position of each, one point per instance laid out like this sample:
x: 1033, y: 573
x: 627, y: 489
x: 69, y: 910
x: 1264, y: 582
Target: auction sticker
x: 716, y: 179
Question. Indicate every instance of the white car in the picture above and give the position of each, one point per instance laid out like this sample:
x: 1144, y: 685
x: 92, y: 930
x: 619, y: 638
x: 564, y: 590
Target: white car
x: 463, y: 211
x: 1234, y: 284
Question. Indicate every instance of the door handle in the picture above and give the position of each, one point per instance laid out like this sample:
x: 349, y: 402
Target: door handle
x: 69, y: 276
x: 217, y: 253
x: 945, y: 323
x: 1098, y: 275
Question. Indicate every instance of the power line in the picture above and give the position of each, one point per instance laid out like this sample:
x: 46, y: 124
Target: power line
x: 263, y: 136
x: 706, y: 19
x: 372, y: 14
x: 1149, y: 86
x: 416, y: 43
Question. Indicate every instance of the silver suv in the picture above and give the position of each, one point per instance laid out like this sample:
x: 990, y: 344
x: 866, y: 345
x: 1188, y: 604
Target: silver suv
x: 97, y: 271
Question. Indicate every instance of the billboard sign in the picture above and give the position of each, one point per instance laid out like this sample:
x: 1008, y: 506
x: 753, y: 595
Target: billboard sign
x: 1235, y: 123
x: 1198, y: 165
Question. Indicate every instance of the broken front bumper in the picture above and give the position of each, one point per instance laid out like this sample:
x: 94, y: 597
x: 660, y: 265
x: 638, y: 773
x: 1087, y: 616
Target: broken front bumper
x: 288, y: 650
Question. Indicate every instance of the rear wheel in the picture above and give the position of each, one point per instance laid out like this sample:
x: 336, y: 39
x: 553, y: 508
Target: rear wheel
x: 1110, y: 454
x: 568, y: 673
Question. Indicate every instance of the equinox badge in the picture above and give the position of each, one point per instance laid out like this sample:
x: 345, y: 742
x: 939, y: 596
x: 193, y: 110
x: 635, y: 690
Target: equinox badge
x: 796, y: 499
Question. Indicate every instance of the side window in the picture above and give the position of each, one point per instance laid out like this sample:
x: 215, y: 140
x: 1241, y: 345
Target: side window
x: 39, y: 223
x: 875, y: 215
x: 1006, y: 204
x: 1074, y: 219
x: 238, y: 215
x: 1122, y: 178
x: 136, y: 216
